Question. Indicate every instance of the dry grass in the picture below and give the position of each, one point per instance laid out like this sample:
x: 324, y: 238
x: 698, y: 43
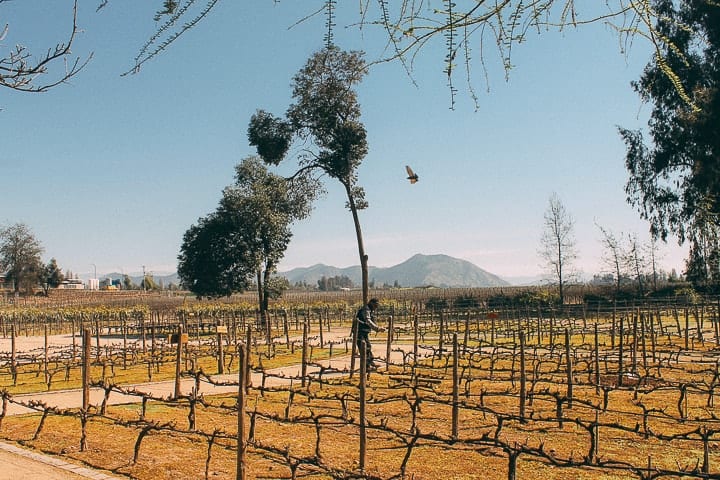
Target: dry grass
x: 678, y: 395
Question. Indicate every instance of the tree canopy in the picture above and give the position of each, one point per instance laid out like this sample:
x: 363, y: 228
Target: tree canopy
x: 326, y: 118
x: 20, y: 257
x: 674, y: 177
x: 248, y: 233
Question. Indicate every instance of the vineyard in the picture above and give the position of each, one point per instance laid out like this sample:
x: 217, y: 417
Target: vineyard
x: 468, y: 389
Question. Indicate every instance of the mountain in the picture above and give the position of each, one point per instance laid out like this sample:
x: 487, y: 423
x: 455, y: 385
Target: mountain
x: 417, y: 271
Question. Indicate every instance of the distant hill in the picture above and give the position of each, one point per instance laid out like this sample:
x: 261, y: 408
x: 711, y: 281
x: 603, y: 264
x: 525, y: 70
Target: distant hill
x: 417, y: 271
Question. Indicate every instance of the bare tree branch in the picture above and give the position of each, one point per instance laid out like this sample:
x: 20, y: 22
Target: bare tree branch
x: 19, y: 70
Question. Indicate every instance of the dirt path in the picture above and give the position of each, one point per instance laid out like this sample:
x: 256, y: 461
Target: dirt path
x: 65, y: 399
x: 22, y: 464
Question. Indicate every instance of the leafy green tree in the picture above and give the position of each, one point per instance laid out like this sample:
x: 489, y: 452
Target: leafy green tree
x: 148, y: 283
x: 245, y: 238
x: 51, y: 276
x: 326, y: 114
x: 127, y: 283
x: 20, y: 254
x: 674, y: 179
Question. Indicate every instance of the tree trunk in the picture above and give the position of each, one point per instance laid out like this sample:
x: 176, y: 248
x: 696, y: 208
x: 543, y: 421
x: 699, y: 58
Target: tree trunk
x: 361, y: 246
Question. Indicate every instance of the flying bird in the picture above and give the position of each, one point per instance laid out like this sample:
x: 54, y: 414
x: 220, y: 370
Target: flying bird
x: 412, y: 176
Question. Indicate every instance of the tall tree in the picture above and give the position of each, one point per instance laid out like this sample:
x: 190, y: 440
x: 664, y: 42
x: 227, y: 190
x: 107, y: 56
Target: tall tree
x: 636, y: 261
x: 51, y: 276
x: 557, y: 243
x: 613, y: 256
x: 674, y: 180
x: 245, y: 238
x: 20, y: 256
x: 326, y: 115
x: 268, y: 204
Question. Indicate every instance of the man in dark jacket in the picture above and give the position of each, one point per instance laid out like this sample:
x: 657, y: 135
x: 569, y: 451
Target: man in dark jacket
x: 365, y: 323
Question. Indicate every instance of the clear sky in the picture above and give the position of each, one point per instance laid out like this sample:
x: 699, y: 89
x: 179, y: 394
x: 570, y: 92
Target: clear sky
x: 110, y: 171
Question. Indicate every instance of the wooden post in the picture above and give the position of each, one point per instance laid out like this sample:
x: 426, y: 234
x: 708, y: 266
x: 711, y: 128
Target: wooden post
x: 363, y: 379
x: 389, y: 342
x: 415, y: 339
x: 87, y: 347
x: 13, y: 360
x: 569, y: 368
x: 286, y: 327
x: 178, y: 359
x: 522, y: 377
x: 455, y: 389
x: 241, y: 444
x: 142, y: 332
x: 441, y: 340
x: 597, y: 361
x: 320, y: 326
x: 45, y: 356
x: 248, y: 340
x: 124, y: 332
x: 303, y: 365
x: 97, y: 339
x: 466, y: 336
x: 221, y: 353
x: 620, y: 351
x: 74, y: 342
x: 635, y: 341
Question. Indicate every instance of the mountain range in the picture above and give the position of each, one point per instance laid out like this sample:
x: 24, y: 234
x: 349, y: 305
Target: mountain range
x: 418, y: 271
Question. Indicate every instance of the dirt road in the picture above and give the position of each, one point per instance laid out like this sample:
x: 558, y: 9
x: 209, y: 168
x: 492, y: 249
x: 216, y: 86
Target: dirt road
x: 21, y: 464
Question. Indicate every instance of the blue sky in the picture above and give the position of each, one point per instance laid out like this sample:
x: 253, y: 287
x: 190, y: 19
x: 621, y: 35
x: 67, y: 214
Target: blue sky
x: 110, y: 171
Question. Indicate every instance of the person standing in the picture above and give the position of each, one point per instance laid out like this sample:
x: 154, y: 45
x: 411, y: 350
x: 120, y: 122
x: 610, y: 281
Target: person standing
x: 365, y: 323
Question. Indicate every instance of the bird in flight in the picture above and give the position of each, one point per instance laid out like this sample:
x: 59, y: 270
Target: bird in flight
x: 412, y: 176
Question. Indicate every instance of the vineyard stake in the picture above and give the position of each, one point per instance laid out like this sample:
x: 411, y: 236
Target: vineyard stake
x: 415, y: 339
x: 97, y: 339
x: 87, y: 346
x: 45, y: 356
x: 620, y: 352
x: 389, y: 341
x: 441, y: 340
x: 13, y: 361
x: 221, y: 353
x: 522, y: 376
x: 303, y: 366
x: 178, y: 358
x: 246, y: 368
x: 597, y: 361
x: 569, y: 367
x: 241, y: 445
x: 124, y: 330
x: 363, y: 379
x: 455, y: 394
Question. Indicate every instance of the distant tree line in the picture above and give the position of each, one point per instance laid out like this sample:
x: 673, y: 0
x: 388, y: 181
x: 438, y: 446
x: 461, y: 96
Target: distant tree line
x: 337, y: 282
